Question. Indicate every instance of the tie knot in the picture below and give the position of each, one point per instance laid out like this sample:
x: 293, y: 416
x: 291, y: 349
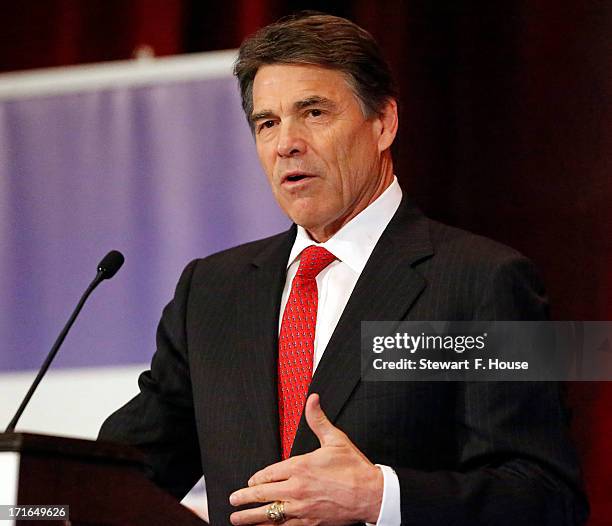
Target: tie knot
x: 313, y: 260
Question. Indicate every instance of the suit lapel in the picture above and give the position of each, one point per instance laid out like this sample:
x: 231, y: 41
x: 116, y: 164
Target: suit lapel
x: 258, y: 313
x: 386, y: 289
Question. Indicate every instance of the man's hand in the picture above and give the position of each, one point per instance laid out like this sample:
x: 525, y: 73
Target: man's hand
x: 335, y: 484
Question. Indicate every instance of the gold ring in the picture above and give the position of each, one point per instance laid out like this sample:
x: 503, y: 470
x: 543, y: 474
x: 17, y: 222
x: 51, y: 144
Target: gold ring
x: 276, y: 512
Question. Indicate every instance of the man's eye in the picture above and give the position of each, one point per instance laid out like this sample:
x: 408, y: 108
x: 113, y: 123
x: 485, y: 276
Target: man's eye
x: 266, y: 124
x: 315, y: 112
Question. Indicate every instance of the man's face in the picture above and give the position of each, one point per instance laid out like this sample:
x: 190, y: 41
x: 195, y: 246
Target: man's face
x: 323, y: 158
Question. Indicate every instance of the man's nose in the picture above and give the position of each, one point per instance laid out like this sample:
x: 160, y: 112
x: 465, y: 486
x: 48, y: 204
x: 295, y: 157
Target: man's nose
x: 290, y: 141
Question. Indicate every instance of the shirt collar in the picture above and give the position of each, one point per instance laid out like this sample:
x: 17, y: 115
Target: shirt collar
x: 354, y: 242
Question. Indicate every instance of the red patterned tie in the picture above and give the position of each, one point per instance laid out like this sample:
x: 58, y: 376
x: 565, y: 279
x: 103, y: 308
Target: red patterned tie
x: 296, y: 342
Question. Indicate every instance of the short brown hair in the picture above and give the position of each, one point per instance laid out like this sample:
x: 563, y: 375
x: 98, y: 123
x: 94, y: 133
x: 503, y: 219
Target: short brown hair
x: 321, y: 40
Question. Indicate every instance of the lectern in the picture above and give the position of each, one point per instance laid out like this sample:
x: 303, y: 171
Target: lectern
x: 102, y: 483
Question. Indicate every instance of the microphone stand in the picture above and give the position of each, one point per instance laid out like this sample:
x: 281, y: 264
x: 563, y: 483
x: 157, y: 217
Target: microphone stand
x: 106, y: 269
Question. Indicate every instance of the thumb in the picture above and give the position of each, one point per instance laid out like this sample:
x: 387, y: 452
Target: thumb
x: 327, y: 433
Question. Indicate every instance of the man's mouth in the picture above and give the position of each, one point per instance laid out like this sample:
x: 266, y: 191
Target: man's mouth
x: 294, y: 177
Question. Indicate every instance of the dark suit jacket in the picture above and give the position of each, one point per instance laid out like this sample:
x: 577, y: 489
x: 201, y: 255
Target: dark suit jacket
x: 465, y: 453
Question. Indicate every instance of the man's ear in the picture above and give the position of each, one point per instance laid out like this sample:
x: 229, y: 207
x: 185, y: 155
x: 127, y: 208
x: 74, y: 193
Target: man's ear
x: 388, y: 125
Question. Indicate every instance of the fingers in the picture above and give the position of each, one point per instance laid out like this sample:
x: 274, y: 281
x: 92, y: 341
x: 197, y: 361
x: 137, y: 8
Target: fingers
x: 259, y: 516
x: 259, y: 493
x: 252, y: 516
x: 274, y: 472
x: 326, y: 432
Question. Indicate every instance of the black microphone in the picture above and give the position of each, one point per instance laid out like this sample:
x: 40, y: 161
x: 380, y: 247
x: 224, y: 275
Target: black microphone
x: 107, y: 268
x: 111, y: 263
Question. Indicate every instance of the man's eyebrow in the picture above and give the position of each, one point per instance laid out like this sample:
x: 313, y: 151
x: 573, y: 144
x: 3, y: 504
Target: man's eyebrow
x: 315, y: 100
x: 263, y: 114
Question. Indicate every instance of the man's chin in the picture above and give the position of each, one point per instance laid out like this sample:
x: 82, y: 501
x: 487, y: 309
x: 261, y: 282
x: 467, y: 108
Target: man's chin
x: 304, y: 211
x: 318, y: 230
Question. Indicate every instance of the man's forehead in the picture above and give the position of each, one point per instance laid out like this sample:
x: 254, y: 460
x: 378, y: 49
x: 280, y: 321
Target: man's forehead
x: 295, y: 83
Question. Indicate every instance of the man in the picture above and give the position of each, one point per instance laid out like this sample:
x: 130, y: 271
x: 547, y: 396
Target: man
x: 256, y: 379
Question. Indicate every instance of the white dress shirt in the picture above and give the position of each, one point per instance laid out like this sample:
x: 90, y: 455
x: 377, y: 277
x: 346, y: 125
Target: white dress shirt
x: 352, y: 245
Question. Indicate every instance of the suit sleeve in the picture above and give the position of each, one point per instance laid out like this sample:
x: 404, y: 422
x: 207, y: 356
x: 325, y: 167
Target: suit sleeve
x: 160, y: 419
x: 514, y: 461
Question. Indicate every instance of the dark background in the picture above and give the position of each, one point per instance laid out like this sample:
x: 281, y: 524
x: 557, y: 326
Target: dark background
x: 505, y: 130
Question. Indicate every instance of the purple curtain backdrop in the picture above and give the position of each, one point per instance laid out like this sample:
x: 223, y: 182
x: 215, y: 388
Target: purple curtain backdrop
x: 164, y: 173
